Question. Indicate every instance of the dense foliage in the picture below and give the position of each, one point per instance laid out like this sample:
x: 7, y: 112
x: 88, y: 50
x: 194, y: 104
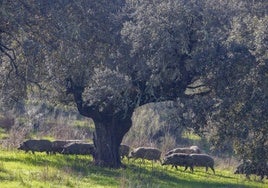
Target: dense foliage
x: 113, y: 56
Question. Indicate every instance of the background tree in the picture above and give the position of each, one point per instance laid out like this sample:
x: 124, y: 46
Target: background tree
x: 60, y: 41
x: 243, y: 114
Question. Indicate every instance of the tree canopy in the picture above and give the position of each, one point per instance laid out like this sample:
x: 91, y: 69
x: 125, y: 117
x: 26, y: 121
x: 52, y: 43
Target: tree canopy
x: 109, y: 57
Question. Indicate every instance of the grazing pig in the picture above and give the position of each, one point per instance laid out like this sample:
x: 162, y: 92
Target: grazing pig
x: 36, y: 145
x: 195, y: 149
x: 124, y: 150
x: 248, y: 167
x: 79, y: 149
x: 179, y: 159
x: 190, y: 150
x: 203, y: 160
x: 58, y: 145
x: 148, y: 153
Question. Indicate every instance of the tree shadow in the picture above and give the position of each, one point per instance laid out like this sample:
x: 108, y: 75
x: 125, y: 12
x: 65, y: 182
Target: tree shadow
x: 138, y: 174
x: 172, y: 178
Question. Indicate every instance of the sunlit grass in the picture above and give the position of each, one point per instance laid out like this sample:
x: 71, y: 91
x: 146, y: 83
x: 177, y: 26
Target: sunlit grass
x: 18, y: 169
x: 191, y: 136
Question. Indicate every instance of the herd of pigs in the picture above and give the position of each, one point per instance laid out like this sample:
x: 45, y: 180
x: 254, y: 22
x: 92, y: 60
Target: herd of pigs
x: 187, y: 157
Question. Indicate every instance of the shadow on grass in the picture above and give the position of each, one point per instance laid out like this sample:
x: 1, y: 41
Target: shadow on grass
x: 135, y: 175
x: 176, y: 178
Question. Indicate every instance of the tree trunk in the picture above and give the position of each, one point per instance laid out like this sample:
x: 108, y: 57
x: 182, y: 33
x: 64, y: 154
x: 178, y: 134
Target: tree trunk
x: 108, y: 137
x: 110, y: 127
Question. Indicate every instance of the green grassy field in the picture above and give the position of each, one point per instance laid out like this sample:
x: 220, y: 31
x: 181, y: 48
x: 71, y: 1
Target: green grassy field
x: 19, y: 170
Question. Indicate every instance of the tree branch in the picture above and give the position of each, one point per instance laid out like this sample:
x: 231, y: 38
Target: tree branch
x: 83, y: 108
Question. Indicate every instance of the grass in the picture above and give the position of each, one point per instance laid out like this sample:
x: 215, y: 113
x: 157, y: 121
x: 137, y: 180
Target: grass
x: 3, y: 134
x: 191, y: 136
x: 18, y: 169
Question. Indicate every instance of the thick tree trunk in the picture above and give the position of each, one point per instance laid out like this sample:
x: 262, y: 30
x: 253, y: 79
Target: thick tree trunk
x: 110, y: 127
x: 108, y: 137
